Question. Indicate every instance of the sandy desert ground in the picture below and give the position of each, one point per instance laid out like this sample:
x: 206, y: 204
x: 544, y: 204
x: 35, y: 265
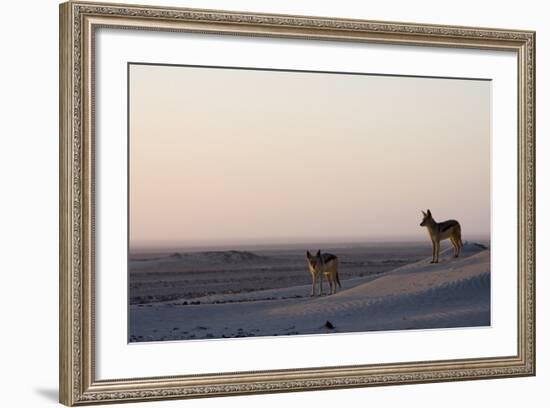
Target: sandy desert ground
x: 266, y: 292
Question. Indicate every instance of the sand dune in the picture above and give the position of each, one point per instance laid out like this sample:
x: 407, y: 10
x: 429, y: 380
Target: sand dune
x: 453, y: 293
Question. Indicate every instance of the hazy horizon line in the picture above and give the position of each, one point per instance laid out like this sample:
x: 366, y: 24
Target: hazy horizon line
x: 196, y: 245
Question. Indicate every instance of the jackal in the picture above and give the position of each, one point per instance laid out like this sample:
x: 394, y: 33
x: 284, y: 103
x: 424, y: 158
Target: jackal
x: 323, y: 265
x: 439, y: 231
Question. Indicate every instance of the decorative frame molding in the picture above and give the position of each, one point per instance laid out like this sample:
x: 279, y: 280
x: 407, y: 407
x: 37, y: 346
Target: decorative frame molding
x: 78, y: 20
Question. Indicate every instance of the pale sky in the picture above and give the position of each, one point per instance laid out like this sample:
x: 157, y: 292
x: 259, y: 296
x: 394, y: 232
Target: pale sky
x: 228, y: 156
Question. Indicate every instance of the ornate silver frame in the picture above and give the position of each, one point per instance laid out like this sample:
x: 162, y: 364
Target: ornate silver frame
x: 78, y: 384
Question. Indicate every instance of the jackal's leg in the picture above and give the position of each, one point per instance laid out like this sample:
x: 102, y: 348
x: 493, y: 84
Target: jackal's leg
x: 433, y: 252
x: 455, y: 246
x: 313, y: 285
x: 321, y: 285
x: 437, y: 251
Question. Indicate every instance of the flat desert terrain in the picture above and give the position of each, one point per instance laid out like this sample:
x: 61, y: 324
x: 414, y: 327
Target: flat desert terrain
x: 262, y: 291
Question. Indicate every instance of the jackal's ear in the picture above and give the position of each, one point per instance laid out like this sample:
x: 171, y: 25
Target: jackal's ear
x: 318, y: 253
x: 308, y: 254
x: 429, y: 213
x: 423, y: 213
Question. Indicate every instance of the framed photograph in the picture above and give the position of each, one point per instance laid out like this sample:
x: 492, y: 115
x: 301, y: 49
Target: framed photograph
x: 255, y: 203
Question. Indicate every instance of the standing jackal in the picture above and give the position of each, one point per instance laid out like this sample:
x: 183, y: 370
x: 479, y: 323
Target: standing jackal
x: 323, y: 265
x: 439, y: 231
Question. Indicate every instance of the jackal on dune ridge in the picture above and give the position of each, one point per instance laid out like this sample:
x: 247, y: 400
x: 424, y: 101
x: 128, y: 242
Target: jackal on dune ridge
x: 439, y: 231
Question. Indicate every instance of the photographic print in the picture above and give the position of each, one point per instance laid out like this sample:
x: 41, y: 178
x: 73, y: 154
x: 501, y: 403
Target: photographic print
x: 256, y: 203
x: 269, y: 202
